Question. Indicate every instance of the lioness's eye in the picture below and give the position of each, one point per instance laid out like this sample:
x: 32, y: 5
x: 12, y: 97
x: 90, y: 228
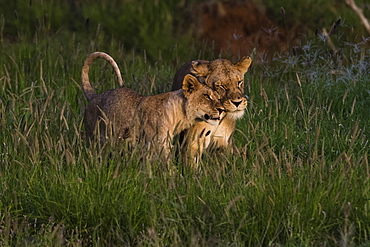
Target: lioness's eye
x: 240, y: 83
x: 207, y: 96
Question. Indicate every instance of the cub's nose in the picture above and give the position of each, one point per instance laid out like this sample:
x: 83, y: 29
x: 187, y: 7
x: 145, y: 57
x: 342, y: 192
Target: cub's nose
x: 220, y: 110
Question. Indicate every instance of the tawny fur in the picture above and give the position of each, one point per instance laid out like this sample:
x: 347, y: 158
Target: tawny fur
x: 122, y: 113
x: 228, y: 80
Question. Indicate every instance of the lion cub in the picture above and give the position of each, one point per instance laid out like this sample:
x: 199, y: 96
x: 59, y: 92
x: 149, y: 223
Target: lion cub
x: 155, y: 120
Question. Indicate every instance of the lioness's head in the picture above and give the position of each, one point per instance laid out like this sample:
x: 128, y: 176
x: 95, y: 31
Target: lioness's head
x: 202, y: 102
x: 227, y: 79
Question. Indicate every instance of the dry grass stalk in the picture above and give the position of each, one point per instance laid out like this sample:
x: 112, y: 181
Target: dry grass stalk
x: 360, y: 13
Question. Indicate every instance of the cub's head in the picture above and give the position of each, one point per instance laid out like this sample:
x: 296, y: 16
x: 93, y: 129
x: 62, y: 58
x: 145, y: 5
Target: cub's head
x: 202, y: 102
x: 227, y: 79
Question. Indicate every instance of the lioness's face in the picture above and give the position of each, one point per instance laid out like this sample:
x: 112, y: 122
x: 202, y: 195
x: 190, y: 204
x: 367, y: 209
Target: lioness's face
x: 227, y: 79
x: 203, y: 103
x: 230, y: 86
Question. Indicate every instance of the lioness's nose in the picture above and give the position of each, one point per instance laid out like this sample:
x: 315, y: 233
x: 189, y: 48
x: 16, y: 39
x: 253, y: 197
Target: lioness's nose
x: 236, y: 103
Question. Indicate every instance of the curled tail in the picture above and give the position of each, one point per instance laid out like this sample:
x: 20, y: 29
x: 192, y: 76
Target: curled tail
x: 86, y: 85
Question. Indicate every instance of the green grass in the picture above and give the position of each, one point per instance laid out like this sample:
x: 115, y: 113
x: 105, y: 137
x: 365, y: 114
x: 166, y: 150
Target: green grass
x: 298, y: 175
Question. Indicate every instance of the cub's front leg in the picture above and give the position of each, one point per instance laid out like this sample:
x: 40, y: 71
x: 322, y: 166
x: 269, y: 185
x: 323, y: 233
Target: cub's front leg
x: 197, y: 139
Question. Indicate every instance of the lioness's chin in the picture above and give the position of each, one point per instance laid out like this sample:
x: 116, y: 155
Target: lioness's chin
x: 235, y: 114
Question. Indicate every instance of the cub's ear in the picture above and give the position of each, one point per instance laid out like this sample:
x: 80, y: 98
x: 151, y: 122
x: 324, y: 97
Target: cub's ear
x: 244, y: 64
x: 190, y: 84
x: 200, y: 67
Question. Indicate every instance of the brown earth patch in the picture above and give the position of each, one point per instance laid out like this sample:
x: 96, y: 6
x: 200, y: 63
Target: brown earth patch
x: 236, y: 28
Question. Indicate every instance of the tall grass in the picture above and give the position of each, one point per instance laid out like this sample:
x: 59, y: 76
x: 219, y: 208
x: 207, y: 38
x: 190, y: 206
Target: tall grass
x: 298, y: 174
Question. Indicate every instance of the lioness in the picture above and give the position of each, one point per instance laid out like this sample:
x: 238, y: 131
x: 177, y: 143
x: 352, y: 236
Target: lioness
x: 227, y: 79
x: 152, y: 118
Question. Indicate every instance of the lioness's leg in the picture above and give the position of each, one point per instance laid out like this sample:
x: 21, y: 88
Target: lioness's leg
x: 222, y: 135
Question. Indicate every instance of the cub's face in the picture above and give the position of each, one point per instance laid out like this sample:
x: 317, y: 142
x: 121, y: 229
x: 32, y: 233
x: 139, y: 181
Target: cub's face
x: 203, y: 103
x: 227, y: 79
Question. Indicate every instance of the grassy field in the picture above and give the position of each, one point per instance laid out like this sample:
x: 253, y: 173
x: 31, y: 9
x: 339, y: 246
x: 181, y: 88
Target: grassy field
x: 298, y: 174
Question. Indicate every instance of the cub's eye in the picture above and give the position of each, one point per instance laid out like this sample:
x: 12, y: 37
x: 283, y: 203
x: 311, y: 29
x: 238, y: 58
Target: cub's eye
x: 240, y: 83
x: 222, y: 87
x: 207, y: 96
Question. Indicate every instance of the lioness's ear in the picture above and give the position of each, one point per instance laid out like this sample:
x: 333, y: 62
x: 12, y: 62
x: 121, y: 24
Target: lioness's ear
x: 244, y: 64
x: 190, y: 84
x: 200, y: 67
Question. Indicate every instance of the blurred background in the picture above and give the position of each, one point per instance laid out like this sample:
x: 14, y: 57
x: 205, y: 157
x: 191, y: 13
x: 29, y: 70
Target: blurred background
x: 298, y: 174
x: 162, y: 28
